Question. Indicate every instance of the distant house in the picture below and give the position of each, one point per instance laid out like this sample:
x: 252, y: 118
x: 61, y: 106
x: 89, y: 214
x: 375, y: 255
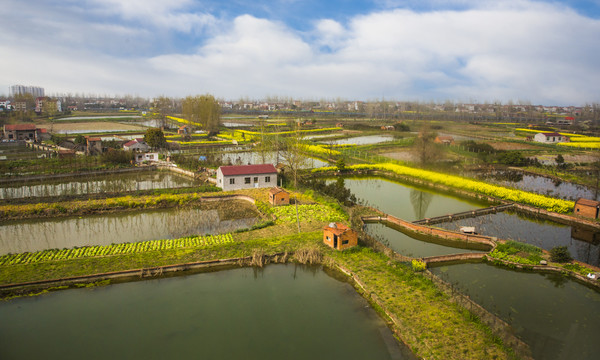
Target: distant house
x: 278, y: 196
x: 339, y: 236
x: 246, y: 176
x: 184, y: 130
x: 21, y: 132
x: 388, y: 127
x: 587, y: 208
x: 550, y: 138
x: 150, y: 157
x: 94, y: 145
x: 445, y: 140
x: 340, y: 125
x: 138, y: 145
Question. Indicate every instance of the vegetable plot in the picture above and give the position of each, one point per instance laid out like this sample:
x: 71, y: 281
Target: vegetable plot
x: 114, y: 249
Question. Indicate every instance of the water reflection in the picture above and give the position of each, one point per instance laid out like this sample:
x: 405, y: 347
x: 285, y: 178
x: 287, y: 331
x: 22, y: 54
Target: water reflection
x: 420, y: 201
x: 280, y: 311
x: 538, y: 184
x: 113, y: 183
x: 558, y: 317
x: 35, y: 235
x: 583, y: 243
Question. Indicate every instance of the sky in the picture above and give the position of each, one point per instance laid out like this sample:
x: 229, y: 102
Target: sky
x: 475, y: 51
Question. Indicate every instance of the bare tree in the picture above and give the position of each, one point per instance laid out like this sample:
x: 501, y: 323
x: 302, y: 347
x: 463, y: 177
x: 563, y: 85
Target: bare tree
x: 291, y: 152
x: 203, y: 110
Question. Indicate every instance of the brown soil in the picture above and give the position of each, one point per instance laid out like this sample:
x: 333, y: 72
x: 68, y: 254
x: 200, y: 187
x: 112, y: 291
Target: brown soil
x: 513, y: 146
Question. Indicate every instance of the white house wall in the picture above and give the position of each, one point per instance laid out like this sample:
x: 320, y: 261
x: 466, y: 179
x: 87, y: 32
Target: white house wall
x: 239, y: 181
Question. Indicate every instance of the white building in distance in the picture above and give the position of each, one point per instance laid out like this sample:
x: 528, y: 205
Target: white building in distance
x: 550, y: 138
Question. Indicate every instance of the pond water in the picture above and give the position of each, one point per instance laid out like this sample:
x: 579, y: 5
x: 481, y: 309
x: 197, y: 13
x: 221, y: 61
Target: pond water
x: 583, y: 244
x: 538, y: 184
x: 363, y: 140
x: 410, y: 246
x: 280, y: 311
x: 58, y: 233
x: 110, y: 183
x: 558, y: 317
x: 235, y: 124
x: 99, y: 117
x: 252, y: 157
x: 404, y: 201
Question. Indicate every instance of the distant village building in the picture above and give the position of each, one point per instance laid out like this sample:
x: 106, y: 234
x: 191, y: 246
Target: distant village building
x: 138, y: 145
x: 339, y: 236
x: 278, y: 196
x: 184, y: 130
x: 19, y: 132
x: 445, y: 140
x: 246, y: 176
x: 388, y: 127
x: 94, y: 145
x: 150, y: 157
x: 550, y: 138
x: 587, y: 208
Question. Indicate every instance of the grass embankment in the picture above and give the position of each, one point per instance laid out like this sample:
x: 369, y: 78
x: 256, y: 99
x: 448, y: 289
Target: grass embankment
x: 513, y: 252
x: 99, y: 206
x: 478, y: 187
x: 432, y: 325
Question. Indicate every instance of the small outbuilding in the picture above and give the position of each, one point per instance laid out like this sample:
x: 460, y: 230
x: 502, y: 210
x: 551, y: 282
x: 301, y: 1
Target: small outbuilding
x: 339, y: 236
x: 445, y: 140
x: 278, y: 196
x: 587, y: 208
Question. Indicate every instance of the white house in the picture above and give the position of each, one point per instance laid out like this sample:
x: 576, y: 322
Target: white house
x: 550, y: 138
x: 150, y: 157
x: 246, y: 176
x: 138, y: 145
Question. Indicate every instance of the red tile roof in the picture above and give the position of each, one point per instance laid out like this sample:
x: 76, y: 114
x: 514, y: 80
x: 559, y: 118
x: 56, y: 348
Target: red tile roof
x: 587, y: 202
x: 133, y: 142
x: 277, y: 190
x: 552, y: 134
x: 248, y: 169
x: 19, y: 127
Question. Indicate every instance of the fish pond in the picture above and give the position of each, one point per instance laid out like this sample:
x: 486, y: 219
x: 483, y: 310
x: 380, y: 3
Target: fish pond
x: 583, y: 243
x: 414, y: 245
x: 538, y: 184
x: 362, y: 140
x: 557, y: 317
x: 404, y: 201
x: 110, y: 183
x: 280, y: 311
x: 58, y: 233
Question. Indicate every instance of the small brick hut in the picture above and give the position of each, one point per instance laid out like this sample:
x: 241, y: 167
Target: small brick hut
x: 587, y: 208
x: 278, y: 196
x: 338, y: 236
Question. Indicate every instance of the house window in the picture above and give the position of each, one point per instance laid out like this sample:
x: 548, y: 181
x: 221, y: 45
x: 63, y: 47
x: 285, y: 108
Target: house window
x: 344, y: 242
x: 247, y: 180
x: 256, y: 179
x: 267, y: 179
x: 231, y: 181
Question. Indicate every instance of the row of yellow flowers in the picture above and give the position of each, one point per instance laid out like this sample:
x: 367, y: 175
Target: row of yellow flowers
x: 183, y: 121
x: 582, y: 145
x: 500, y: 192
x: 288, y: 132
x: 319, y: 150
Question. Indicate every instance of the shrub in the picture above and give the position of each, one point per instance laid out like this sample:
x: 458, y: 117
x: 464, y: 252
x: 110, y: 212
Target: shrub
x: 560, y: 254
x: 418, y: 265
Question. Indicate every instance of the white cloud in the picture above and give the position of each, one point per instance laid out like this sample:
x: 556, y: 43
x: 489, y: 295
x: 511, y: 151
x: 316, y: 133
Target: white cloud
x: 516, y: 50
x: 171, y: 14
